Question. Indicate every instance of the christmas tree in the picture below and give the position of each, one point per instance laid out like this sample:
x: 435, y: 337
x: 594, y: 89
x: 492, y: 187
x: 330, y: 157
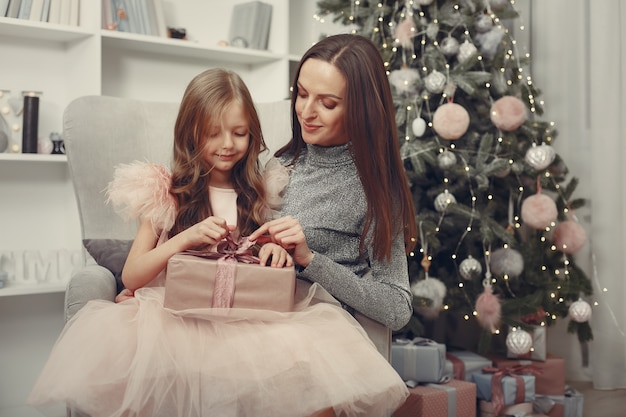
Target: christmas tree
x: 494, y: 201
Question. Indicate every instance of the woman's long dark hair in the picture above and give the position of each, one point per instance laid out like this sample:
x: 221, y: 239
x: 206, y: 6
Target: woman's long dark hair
x: 205, y: 100
x: 373, y: 138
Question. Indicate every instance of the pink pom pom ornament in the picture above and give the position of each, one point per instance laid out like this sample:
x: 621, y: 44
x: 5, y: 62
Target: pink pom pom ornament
x: 451, y: 121
x: 508, y: 113
x: 539, y: 211
x: 569, y: 237
x: 488, y: 309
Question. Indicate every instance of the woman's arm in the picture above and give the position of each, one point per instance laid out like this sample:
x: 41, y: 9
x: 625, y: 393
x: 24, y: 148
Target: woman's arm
x: 381, y: 293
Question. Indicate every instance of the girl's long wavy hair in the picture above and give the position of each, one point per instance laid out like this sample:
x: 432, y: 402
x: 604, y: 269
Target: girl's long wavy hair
x: 373, y: 139
x: 204, y: 102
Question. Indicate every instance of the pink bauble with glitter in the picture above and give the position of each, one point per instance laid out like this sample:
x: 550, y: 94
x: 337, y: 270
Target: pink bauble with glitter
x: 508, y: 113
x: 539, y: 211
x: 451, y: 121
x: 569, y: 237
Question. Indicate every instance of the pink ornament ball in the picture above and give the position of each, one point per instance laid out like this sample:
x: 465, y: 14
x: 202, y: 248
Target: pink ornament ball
x: 508, y: 113
x: 569, y: 237
x: 451, y: 121
x: 539, y: 211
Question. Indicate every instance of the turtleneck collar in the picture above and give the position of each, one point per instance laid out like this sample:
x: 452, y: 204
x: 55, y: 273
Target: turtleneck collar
x: 328, y: 155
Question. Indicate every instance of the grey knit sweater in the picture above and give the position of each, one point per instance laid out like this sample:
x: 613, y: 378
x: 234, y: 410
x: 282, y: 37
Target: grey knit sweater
x: 326, y: 196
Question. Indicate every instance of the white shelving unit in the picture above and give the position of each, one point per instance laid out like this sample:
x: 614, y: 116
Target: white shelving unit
x: 39, y: 213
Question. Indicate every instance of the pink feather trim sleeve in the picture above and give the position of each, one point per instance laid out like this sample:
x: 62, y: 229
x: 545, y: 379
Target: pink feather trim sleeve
x: 141, y: 190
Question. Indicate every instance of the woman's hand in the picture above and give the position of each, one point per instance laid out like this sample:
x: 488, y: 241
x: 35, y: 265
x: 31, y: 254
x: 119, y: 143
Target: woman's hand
x: 279, y: 256
x: 287, y: 232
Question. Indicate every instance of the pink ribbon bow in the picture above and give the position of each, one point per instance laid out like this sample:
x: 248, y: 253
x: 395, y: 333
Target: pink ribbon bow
x: 497, y: 394
x: 229, y: 252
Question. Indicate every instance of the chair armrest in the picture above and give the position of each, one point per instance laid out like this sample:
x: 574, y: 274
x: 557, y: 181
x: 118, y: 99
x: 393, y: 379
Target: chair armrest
x: 92, y: 282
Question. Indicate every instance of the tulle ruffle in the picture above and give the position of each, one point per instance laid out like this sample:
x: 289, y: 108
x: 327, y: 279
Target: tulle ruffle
x: 119, y: 359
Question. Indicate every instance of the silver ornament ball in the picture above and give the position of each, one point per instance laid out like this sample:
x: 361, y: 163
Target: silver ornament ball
x: 469, y: 268
x: 442, y: 201
x: 540, y: 157
x: 519, y: 341
x: 449, y: 46
x: 446, y: 159
x: 580, y: 311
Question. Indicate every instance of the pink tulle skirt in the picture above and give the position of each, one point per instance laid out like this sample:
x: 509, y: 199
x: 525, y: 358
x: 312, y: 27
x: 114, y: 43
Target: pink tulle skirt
x: 137, y: 358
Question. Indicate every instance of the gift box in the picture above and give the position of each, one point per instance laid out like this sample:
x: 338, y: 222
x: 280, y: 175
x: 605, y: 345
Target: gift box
x: 550, y: 375
x: 514, y: 389
x: 452, y: 399
x: 486, y: 409
x: 538, y: 351
x: 570, y: 404
x: 419, y: 360
x: 190, y: 282
x: 465, y: 362
x: 574, y: 402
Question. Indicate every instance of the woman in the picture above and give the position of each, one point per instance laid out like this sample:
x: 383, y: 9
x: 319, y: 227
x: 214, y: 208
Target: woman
x: 348, y: 217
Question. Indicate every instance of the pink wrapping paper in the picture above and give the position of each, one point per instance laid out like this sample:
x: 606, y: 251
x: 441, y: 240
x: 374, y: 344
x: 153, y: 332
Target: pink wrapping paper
x: 432, y: 400
x: 190, y: 280
x: 551, y: 380
x: 485, y: 409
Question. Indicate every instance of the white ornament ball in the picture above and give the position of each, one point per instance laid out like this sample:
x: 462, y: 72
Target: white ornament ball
x: 418, y: 127
x: 446, y: 159
x: 519, y: 341
x: 483, y: 23
x: 540, y: 157
x: 580, y: 311
x: 506, y: 261
x: 404, y: 80
x: 539, y: 211
x: 443, y: 200
x: 435, y: 82
x: 466, y: 50
x: 499, y: 5
x: 508, y: 113
x: 434, y: 290
x: 469, y: 268
x: 449, y: 46
x: 451, y: 121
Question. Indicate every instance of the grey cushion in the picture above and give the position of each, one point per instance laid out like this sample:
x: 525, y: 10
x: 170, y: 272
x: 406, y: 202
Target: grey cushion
x: 111, y: 254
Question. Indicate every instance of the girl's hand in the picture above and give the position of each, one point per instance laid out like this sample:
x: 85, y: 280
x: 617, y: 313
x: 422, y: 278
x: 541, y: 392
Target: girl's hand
x: 208, y: 232
x: 279, y: 256
x: 124, y: 295
x: 288, y: 233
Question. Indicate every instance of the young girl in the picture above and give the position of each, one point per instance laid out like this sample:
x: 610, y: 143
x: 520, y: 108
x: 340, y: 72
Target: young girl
x: 137, y: 358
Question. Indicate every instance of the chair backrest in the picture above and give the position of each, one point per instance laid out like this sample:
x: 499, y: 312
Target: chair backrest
x: 101, y: 132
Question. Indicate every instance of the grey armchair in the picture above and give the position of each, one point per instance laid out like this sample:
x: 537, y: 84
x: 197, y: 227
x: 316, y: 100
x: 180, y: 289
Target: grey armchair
x: 101, y: 132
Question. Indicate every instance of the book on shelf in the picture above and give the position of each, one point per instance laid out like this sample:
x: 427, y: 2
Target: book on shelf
x: 157, y: 6
x: 25, y: 7
x: 74, y: 12
x: 250, y: 25
x: 4, y: 7
x: 14, y: 8
x: 45, y: 12
x: 108, y: 19
x: 36, y: 9
x: 54, y: 15
x: 64, y: 12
